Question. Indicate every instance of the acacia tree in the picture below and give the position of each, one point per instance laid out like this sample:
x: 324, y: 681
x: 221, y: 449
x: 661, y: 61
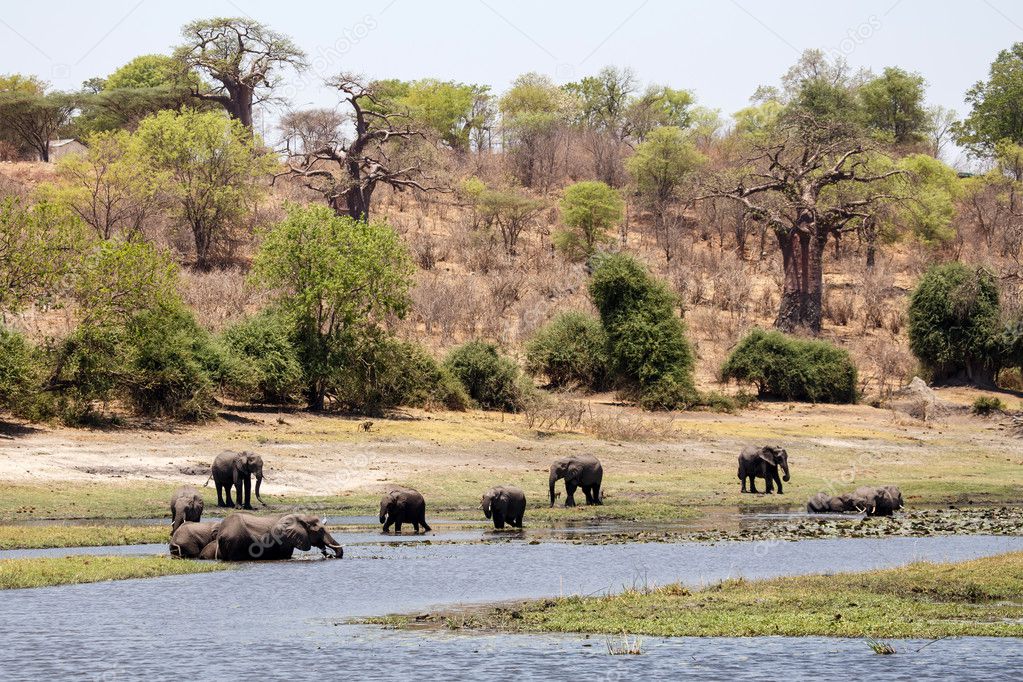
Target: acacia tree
x: 347, y: 173
x: 242, y: 56
x: 35, y: 118
x: 793, y: 181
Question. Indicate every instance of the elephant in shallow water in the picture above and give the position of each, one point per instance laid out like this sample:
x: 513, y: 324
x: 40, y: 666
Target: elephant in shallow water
x: 236, y: 469
x: 763, y: 462
x: 401, y: 505
x: 871, y: 500
x: 190, y: 539
x: 504, y: 503
x: 822, y: 503
x: 247, y: 537
x: 579, y: 471
x: 186, y: 505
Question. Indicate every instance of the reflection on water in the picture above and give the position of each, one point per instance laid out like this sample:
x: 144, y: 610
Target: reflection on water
x: 283, y: 617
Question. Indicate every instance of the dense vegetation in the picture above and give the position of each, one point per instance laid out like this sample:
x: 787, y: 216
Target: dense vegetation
x: 341, y: 259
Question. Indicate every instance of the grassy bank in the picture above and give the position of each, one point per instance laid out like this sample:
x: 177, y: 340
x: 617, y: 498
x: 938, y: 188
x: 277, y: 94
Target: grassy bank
x: 981, y: 597
x: 42, y: 537
x: 44, y: 572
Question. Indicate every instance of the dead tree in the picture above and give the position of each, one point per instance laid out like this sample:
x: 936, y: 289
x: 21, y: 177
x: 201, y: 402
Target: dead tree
x: 346, y: 173
x: 808, y: 183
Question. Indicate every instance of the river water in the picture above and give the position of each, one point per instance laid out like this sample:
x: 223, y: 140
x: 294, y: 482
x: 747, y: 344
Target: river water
x: 289, y: 619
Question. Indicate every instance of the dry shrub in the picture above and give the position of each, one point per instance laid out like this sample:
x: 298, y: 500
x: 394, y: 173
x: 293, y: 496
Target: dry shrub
x: 479, y: 251
x: 621, y: 427
x: 219, y: 297
x: 893, y: 365
x: 554, y: 412
x: 839, y: 306
x: 427, y: 249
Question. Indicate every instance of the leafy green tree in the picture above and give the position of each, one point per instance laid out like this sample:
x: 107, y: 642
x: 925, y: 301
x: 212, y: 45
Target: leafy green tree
x: 242, y: 59
x: 996, y: 105
x: 34, y: 119
x: 20, y: 374
x: 104, y: 187
x: 445, y: 108
x: 209, y: 169
x: 954, y: 323
x: 589, y: 209
x: 511, y: 211
x: 659, y: 106
x: 39, y: 247
x: 339, y: 277
x: 536, y: 113
x: 146, y: 71
x: 893, y: 104
x: 492, y: 380
x: 650, y: 357
x: 265, y: 341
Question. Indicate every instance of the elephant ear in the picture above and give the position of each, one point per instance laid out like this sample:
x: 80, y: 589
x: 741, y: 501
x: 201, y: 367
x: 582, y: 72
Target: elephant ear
x: 767, y: 454
x: 291, y: 530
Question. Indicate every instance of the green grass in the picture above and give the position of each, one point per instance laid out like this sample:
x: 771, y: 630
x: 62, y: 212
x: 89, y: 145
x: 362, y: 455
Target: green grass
x: 22, y: 573
x: 41, y: 537
x: 982, y: 597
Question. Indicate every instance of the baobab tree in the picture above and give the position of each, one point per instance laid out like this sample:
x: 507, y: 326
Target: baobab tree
x: 809, y: 181
x: 347, y: 172
x: 242, y: 57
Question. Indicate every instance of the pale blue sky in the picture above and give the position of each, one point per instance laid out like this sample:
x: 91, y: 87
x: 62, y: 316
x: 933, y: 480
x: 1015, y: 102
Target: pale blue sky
x: 719, y: 50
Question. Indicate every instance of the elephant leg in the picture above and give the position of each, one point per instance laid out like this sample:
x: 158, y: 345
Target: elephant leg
x: 387, y: 525
x: 247, y: 504
x: 742, y: 479
x: 397, y: 527
x: 415, y: 527
x: 220, y: 496
x: 595, y: 491
x: 588, y: 493
x: 753, y: 485
x: 423, y: 523
x: 569, y: 493
x: 777, y: 481
x: 498, y: 520
x: 228, y: 502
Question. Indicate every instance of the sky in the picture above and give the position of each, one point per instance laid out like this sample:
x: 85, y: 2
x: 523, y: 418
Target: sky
x: 719, y: 50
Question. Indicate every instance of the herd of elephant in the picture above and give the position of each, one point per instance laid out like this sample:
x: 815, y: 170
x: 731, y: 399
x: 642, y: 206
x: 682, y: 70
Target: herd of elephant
x: 246, y: 537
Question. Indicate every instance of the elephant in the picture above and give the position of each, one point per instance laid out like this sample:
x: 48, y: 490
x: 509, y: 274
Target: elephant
x: 186, y: 505
x: 822, y: 503
x: 882, y: 500
x: 579, y: 471
x: 236, y: 469
x: 505, y: 503
x: 763, y: 463
x: 190, y: 539
x: 247, y: 537
x: 400, y: 505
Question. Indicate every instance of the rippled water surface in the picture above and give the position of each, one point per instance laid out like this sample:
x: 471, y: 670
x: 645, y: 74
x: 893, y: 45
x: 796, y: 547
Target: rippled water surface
x: 289, y: 619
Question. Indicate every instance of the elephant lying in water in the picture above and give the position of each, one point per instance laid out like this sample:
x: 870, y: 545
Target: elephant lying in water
x: 401, y: 505
x: 192, y: 540
x: 186, y: 505
x: 763, y: 462
x: 579, y: 471
x: 505, y: 503
x: 247, y: 537
x: 873, y: 500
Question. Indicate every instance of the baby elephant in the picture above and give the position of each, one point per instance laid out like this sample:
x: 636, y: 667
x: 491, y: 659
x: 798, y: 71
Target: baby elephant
x: 403, y: 505
x: 763, y: 463
x: 505, y: 503
x: 195, y: 540
x: 186, y: 505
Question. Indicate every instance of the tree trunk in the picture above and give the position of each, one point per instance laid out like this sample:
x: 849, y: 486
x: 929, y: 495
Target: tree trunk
x: 802, y: 293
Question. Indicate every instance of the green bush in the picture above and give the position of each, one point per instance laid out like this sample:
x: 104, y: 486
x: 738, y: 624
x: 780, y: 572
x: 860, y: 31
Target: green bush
x: 954, y: 322
x: 383, y: 373
x: 650, y: 357
x: 570, y: 350
x: 986, y: 405
x: 788, y: 368
x: 589, y: 209
x: 175, y: 366
x: 492, y: 380
x: 265, y: 344
x: 20, y: 376
x: 88, y: 367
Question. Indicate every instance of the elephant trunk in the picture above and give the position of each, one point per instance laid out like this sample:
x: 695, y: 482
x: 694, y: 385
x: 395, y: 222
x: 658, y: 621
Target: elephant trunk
x: 486, y: 507
x: 383, y: 512
x: 553, y: 480
x: 330, y: 543
x: 259, y: 481
x: 785, y: 468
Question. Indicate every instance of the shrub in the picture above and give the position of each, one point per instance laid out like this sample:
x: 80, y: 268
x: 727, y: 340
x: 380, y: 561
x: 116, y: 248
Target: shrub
x: 20, y: 375
x: 570, y: 350
x: 383, y: 373
x: 787, y: 368
x: 953, y: 322
x: 650, y: 357
x: 264, y: 342
x: 492, y: 380
x: 986, y: 405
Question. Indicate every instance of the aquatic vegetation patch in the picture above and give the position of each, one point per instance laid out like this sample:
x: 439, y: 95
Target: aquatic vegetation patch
x: 72, y: 570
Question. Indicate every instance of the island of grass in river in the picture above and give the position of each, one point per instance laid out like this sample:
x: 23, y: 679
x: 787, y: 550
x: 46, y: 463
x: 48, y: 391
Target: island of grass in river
x: 983, y: 597
x: 72, y: 570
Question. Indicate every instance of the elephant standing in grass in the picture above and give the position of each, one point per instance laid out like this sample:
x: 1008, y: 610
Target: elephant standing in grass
x: 236, y: 469
x: 247, y: 537
x: 186, y: 505
x: 763, y: 462
x: 401, y: 505
x: 579, y: 471
x: 505, y: 503
x: 190, y: 540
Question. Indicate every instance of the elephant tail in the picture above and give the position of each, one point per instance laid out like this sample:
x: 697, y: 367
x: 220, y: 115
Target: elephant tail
x: 207, y: 483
